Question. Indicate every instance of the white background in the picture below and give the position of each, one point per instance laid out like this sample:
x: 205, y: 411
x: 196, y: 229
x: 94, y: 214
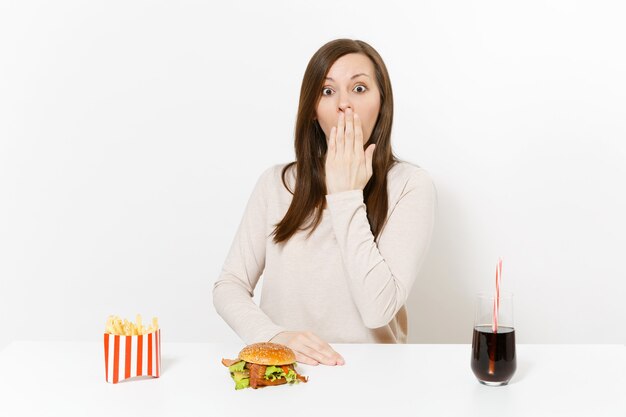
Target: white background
x: 132, y: 133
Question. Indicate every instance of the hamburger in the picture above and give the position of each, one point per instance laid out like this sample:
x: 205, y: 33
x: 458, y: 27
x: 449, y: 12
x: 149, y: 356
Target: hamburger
x: 264, y: 364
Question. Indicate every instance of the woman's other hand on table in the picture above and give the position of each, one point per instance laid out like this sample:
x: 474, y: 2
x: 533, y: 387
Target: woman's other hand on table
x: 309, y: 348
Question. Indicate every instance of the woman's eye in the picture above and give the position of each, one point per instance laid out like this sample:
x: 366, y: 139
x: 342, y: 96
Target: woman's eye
x: 359, y: 89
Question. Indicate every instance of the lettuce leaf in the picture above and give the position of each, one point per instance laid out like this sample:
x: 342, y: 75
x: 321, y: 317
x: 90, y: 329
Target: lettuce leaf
x: 275, y: 372
x: 240, y: 375
x: 242, y: 383
x: 237, y: 367
x: 291, y: 377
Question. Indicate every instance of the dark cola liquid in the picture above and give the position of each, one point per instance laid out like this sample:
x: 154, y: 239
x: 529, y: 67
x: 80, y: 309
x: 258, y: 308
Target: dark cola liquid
x: 493, y: 354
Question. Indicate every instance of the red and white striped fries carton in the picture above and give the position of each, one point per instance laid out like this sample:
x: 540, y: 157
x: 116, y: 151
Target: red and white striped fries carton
x: 129, y: 356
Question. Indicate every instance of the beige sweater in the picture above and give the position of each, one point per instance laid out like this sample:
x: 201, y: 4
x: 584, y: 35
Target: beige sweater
x: 340, y: 284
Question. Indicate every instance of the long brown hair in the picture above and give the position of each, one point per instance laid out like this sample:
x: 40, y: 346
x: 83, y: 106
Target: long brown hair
x: 310, y: 145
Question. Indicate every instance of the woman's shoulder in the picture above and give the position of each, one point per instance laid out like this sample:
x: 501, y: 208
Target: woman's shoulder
x: 406, y: 178
x: 272, y: 176
x: 272, y: 171
x: 404, y: 173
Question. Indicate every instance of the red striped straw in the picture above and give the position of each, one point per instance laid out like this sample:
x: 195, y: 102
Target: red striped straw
x: 496, y: 300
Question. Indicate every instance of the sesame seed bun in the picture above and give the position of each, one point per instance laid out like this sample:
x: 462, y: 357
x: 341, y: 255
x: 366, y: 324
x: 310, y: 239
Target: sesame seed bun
x: 267, y: 354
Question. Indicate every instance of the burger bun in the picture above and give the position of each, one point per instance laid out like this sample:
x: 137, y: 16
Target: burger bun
x: 268, y: 353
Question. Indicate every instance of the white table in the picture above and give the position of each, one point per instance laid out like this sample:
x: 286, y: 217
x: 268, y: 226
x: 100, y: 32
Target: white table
x: 67, y: 379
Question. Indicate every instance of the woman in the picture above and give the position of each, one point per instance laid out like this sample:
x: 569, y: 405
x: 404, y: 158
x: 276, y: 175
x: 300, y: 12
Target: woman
x: 340, y: 234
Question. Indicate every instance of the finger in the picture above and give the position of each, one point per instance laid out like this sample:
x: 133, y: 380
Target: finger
x: 317, y: 355
x: 326, y: 348
x: 349, y: 135
x: 369, y: 157
x: 332, y: 144
x: 302, y: 358
x: 358, y: 134
x: 340, y: 135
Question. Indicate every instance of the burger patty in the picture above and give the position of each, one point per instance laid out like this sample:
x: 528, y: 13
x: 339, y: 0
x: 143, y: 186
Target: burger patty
x: 257, y: 376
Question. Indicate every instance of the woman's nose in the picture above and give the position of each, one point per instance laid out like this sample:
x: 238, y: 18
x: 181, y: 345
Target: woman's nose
x: 344, y: 106
x: 344, y: 102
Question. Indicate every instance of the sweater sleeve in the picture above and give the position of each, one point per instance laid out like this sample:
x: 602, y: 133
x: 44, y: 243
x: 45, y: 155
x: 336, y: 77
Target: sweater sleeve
x: 380, y: 275
x: 234, y: 288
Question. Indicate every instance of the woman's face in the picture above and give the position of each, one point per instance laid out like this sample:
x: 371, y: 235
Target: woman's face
x: 350, y: 82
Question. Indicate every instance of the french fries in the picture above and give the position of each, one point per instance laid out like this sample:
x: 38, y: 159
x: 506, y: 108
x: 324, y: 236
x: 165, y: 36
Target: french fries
x: 117, y: 326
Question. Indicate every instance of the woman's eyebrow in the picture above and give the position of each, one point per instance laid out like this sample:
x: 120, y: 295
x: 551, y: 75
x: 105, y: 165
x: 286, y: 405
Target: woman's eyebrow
x: 352, y: 78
